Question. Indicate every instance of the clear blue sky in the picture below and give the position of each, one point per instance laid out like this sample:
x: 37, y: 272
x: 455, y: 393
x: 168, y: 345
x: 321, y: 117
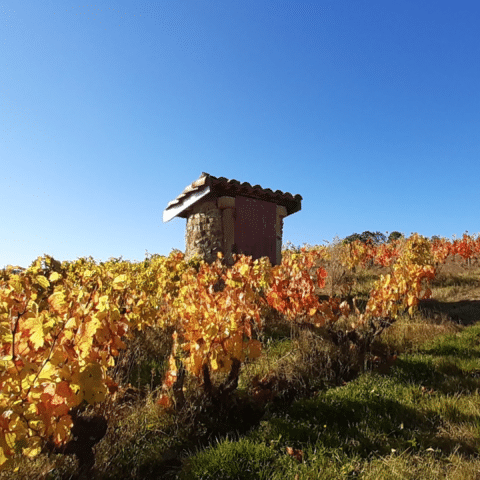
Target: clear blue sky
x: 369, y: 109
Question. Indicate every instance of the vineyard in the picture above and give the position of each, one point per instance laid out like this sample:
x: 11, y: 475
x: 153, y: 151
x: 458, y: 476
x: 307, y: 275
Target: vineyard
x: 67, y: 331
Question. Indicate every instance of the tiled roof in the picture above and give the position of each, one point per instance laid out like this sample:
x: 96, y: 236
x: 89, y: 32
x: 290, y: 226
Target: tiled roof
x: 218, y: 186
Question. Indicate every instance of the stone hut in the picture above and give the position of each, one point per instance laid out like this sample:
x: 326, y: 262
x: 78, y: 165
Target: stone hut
x: 232, y: 217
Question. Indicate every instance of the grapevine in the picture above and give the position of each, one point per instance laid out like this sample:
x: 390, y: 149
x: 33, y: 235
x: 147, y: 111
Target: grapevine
x: 62, y: 325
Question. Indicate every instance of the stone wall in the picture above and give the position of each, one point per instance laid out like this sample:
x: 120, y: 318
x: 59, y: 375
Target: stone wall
x: 211, y: 228
x: 204, y: 233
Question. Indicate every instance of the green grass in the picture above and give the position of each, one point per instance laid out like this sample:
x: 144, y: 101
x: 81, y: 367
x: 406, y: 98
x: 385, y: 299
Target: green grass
x: 242, y: 459
x: 422, y: 420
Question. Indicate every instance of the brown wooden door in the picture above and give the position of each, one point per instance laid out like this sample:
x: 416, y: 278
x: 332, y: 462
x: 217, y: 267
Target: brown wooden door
x: 255, y: 233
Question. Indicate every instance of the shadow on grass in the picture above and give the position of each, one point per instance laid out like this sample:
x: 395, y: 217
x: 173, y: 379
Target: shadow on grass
x: 357, y: 427
x: 362, y: 421
x: 444, y: 377
x: 463, y: 312
x: 449, y: 364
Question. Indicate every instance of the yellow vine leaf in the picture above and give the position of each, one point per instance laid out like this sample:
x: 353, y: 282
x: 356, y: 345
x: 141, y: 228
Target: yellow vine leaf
x: 220, y: 362
x: 10, y: 438
x: 35, y: 327
x: 243, y: 269
x: 211, y: 331
x: 42, y: 281
x: 71, y: 323
x: 57, y: 302
x: 90, y: 382
x: 15, y: 283
x: 48, y: 372
x: 28, y: 381
x: 85, y: 336
x: 54, y: 276
x: 194, y: 363
x: 120, y: 282
x: 34, y: 448
x: 92, y: 326
x: 62, y: 429
x: 3, y: 458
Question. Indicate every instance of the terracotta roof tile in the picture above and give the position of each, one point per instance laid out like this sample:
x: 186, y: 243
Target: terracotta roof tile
x: 232, y: 187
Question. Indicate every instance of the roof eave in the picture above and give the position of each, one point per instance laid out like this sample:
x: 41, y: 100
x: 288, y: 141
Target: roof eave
x: 175, y: 210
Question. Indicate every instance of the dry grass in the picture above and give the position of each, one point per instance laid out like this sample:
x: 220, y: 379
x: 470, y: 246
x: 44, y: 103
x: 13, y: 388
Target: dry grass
x: 408, y: 334
x: 405, y: 466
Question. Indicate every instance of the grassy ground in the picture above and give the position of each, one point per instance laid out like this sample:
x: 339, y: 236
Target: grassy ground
x: 408, y: 410
x: 419, y: 420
